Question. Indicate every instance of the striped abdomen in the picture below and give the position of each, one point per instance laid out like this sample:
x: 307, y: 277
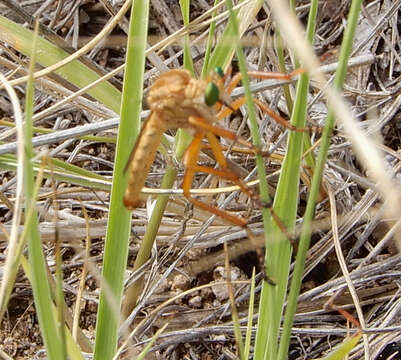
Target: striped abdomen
x: 141, y: 160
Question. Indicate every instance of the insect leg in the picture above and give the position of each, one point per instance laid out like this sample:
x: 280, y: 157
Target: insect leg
x: 225, y: 172
x: 261, y: 75
x: 237, y: 103
x: 201, y: 123
x: 191, y: 168
x: 230, y: 175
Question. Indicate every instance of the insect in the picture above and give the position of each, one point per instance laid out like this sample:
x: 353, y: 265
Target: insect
x: 177, y: 100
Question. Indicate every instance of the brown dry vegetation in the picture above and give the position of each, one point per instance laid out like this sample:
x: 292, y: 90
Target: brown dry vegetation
x: 199, y: 323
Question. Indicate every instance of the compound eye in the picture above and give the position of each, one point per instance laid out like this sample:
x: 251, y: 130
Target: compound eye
x: 219, y: 71
x: 211, y: 94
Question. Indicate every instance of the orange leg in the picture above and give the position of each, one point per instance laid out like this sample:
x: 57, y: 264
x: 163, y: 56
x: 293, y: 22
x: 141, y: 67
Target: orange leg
x: 202, y: 124
x: 211, y: 131
x: 190, y: 159
x: 242, y: 150
x: 224, y: 172
x: 237, y: 103
x: 261, y: 75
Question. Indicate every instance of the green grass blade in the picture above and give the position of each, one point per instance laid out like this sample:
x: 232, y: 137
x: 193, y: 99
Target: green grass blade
x: 225, y: 48
x: 15, y: 246
x: 248, y: 335
x: 223, y: 51
x: 344, y: 349
x: 278, y: 247
x: 188, y: 63
x: 209, y: 44
x: 40, y: 285
x: 65, y: 172
x: 283, y: 69
x: 291, y: 171
x: 257, y: 142
x: 75, y: 72
x: 183, y: 139
x: 310, y: 208
x: 144, y: 352
x: 118, y: 229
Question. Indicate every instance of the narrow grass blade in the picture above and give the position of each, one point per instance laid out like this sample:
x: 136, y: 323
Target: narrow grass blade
x: 290, y: 171
x: 209, y: 44
x: 278, y: 247
x: 142, y: 355
x: 118, y: 229
x: 315, y: 187
x: 40, y: 285
x: 225, y: 48
x: 65, y: 172
x: 248, y: 335
x: 183, y: 138
x: 15, y: 246
x: 255, y: 135
x: 344, y: 349
x: 188, y: 63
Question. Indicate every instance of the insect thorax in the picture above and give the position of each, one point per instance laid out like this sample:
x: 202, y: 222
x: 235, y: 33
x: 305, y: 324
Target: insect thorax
x: 175, y: 96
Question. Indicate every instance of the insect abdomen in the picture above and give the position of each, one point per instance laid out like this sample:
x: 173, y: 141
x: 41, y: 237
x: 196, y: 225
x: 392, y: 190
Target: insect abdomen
x: 143, y: 157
